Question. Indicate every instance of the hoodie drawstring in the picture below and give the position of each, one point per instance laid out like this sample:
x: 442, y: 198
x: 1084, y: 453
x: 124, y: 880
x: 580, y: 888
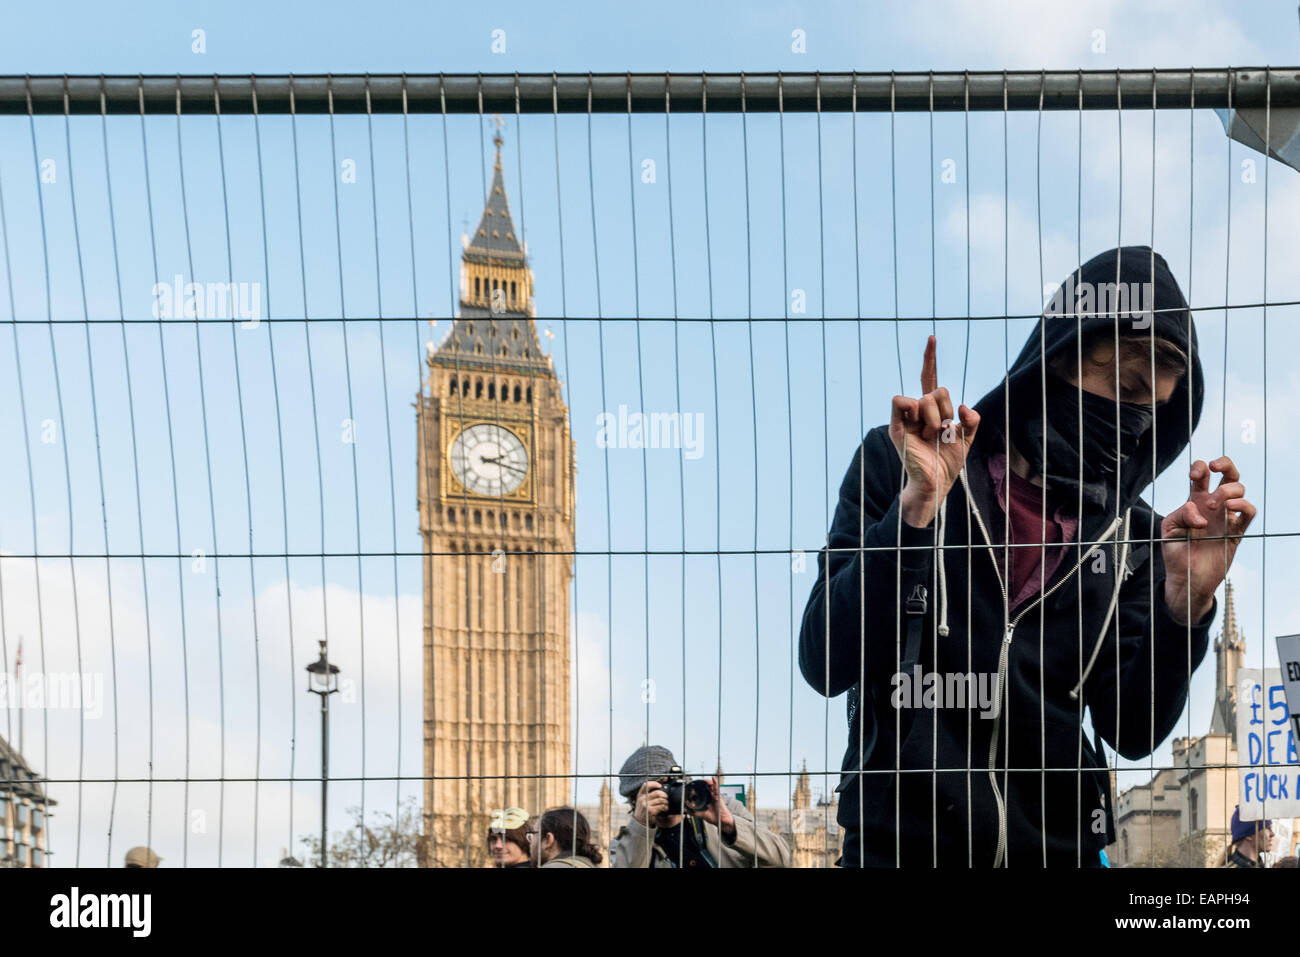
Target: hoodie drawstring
x: 1120, y: 566
x: 943, y: 575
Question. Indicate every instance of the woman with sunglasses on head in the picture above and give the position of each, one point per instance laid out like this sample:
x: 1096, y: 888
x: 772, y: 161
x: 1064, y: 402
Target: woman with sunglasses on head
x: 507, y: 838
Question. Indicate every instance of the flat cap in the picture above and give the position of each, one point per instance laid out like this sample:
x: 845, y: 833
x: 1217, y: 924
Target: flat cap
x: 647, y: 762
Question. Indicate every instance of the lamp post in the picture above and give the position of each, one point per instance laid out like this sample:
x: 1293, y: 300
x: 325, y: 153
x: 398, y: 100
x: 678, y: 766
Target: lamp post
x: 323, y: 680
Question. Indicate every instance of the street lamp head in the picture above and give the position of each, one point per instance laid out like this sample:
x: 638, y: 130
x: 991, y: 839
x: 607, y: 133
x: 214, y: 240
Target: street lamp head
x: 322, y: 676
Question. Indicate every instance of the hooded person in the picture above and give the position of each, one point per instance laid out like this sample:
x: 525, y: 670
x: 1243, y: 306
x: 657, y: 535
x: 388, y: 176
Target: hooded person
x: 1057, y: 589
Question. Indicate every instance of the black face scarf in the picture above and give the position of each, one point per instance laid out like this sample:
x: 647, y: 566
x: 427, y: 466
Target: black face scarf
x: 1067, y: 448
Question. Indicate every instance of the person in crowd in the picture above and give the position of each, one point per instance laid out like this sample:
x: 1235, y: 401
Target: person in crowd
x: 141, y: 857
x: 507, y: 838
x: 1250, y: 840
x: 562, y: 838
x: 657, y: 835
x: 992, y: 572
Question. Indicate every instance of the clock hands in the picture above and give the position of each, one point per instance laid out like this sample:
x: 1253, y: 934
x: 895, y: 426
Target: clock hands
x: 505, y: 465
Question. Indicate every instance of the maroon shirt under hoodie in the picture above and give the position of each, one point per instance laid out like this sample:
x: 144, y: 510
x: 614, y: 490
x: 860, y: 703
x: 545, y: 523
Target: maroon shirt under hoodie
x: 1027, y: 527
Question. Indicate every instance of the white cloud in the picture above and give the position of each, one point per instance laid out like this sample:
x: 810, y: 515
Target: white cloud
x: 1027, y: 34
x: 117, y: 745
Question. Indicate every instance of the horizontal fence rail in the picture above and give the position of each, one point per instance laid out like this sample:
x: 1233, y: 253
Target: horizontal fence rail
x: 649, y: 93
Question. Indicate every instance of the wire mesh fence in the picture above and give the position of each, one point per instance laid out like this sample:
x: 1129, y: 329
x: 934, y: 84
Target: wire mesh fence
x: 525, y: 404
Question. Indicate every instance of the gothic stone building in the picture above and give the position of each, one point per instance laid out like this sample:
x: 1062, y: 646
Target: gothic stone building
x: 496, y: 499
x: 808, y: 826
x: 23, y: 810
x: 1182, y: 816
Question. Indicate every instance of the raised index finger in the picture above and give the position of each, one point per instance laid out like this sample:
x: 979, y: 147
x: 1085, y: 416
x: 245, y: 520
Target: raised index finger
x: 930, y: 368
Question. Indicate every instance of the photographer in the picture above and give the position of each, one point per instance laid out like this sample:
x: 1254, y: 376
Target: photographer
x: 722, y: 834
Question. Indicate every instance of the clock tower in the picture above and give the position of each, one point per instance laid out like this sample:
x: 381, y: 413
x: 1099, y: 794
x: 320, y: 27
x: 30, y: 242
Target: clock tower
x: 496, y: 499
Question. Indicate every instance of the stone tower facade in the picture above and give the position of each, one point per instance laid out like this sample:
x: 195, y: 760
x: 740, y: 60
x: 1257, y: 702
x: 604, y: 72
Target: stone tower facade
x: 496, y: 500
x: 1229, y: 652
x: 810, y: 826
x: 604, y: 821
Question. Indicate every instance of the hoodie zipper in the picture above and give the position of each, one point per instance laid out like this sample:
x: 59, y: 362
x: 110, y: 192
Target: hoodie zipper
x: 1004, y: 654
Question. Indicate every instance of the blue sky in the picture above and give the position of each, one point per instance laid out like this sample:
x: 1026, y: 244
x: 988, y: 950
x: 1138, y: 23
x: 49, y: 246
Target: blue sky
x: 855, y: 227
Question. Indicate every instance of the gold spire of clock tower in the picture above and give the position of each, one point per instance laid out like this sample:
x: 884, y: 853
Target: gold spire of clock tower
x: 495, y: 328
x: 496, y: 498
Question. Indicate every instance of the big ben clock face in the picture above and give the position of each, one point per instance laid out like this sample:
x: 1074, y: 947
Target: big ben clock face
x: 488, y: 459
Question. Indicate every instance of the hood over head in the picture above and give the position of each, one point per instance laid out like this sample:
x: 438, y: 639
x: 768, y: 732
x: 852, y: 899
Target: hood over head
x: 1130, y: 289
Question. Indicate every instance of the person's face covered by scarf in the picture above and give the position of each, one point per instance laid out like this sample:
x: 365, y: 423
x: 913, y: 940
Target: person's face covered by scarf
x: 1094, y: 413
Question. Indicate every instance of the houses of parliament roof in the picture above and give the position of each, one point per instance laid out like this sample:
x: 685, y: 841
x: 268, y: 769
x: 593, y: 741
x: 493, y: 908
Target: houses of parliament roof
x: 16, y: 777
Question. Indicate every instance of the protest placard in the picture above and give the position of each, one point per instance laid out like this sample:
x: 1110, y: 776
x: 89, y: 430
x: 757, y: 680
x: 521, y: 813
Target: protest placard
x: 1288, y: 654
x: 1266, y: 743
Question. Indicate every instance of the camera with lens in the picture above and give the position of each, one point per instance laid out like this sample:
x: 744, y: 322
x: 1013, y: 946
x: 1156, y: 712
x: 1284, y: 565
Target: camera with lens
x: 685, y: 794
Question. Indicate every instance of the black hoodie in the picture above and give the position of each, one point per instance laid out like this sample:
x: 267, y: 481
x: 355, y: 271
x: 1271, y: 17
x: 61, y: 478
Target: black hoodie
x: 1047, y: 800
